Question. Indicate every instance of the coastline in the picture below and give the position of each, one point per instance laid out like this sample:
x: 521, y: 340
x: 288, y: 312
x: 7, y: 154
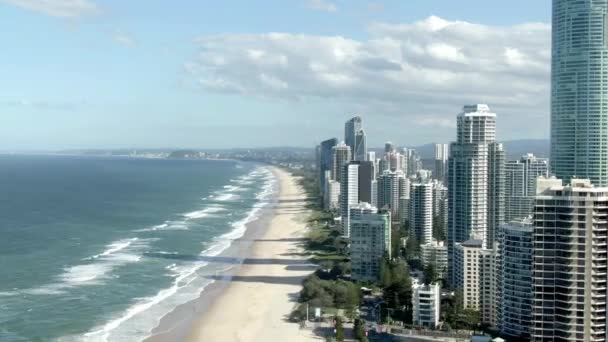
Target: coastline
x: 258, y: 294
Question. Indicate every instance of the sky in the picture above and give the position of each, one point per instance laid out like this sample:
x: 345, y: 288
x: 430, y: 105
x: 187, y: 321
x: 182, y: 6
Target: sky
x: 243, y: 73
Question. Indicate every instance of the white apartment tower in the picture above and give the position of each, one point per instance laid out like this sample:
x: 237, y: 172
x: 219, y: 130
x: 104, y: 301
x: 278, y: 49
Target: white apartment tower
x: 392, y: 186
x: 341, y: 156
x: 435, y: 252
x: 370, y: 240
x: 426, y: 302
x: 520, y: 185
x: 441, y: 161
x: 466, y: 272
x: 349, y: 194
x: 421, y: 211
x: 475, y: 180
x: 570, y: 273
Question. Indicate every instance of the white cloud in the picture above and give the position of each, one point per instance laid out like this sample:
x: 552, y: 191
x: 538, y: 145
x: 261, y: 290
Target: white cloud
x: 124, y: 38
x: 322, y: 5
x: 57, y: 8
x: 422, y: 71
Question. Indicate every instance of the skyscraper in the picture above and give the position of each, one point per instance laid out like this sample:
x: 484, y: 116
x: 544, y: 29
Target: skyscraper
x: 325, y: 159
x: 370, y: 240
x: 579, y: 88
x: 354, y: 137
x: 569, y: 276
x: 441, y: 161
x: 340, y: 157
x: 421, y: 211
x: 520, y: 185
x: 516, y: 278
x: 366, y: 178
x: 349, y: 194
x: 475, y: 180
x: 392, y: 186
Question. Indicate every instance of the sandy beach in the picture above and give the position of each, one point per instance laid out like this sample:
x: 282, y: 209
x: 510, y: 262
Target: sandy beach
x: 256, y: 303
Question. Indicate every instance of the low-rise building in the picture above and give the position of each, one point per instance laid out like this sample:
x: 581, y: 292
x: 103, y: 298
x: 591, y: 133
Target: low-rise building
x: 436, y: 253
x: 426, y: 302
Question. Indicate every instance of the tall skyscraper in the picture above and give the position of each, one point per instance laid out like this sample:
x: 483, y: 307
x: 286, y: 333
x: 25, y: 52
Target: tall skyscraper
x: 579, y: 88
x: 340, y: 157
x: 392, y: 186
x: 441, y: 161
x: 569, y: 275
x: 475, y: 180
x: 366, y: 178
x: 516, y: 278
x: 389, y: 147
x: 440, y: 205
x: 421, y: 211
x: 370, y: 240
x: 354, y: 137
x: 520, y: 185
x: 349, y: 194
x: 325, y: 159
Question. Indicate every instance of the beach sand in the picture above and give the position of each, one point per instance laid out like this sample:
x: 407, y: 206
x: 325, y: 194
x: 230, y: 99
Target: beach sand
x: 257, y: 302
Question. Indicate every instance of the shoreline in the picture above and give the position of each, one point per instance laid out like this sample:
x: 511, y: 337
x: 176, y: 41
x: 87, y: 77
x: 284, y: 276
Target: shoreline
x: 258, y: 292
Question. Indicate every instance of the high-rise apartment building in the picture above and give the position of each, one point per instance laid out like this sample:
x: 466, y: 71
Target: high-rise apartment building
x: 516, y: 278
x: 570, y: 273
x: 421, y: 211
x: 436, y: 253
x: 440, y: 206
x: 349, y: 194
x: 341, y: 156
x: 467, y: 271
x: 331, y: 193
x: 367, y: 174
x: 370, y: 240
x: 475, y: 180
x: 579, y: 88
x: 489, y: 296
x: 354, y: 137
x: 325, y: 159
x: 520, y: 185
x: 392, y: 186
x: 441, y: 161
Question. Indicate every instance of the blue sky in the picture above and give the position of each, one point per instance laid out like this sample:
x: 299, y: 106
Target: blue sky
x: 93, y: 74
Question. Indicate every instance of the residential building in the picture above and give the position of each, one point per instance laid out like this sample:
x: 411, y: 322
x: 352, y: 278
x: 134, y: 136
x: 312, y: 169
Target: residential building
x: 475, y: 180
x: 520, y: 185
x: 579, y: 88
x: 421, y: 211
x: 354, y: 137
x: 436, y: 253
x: 370, y: 240
x: 441, y: 161
x: 367, y: 175
x: 392, y: 186
x: 516, y: 279
x: 467, y: 271
x: 341, y: 156
x: 325, y: 160
x: 440, y: 206
x: 570, y: 253
x: 331, y: 195
x: 426, y: 303
x: 349, y: 194
x: 489, y: 296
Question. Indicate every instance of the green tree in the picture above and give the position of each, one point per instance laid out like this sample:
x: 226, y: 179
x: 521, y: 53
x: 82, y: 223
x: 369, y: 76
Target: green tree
x: 412, y: 248
x: 339, y: 329
x: 396, y: 236
x: 430, y: 274
x: 360, y: 330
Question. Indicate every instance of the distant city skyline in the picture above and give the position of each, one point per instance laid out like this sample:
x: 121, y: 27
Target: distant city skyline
x: 92, y: 74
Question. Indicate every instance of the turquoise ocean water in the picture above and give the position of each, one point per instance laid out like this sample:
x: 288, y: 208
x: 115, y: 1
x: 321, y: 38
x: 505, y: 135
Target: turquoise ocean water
x: 88, y: 245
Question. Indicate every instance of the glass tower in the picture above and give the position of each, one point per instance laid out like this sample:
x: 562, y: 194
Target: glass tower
x: 579, y: 94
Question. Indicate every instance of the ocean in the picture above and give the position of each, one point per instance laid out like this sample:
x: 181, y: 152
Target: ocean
x: 100, y: 248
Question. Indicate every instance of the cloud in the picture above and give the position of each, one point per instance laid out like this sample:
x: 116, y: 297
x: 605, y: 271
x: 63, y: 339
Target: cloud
x: 423, y: 71
x: 124, y: 38
x: 322, y: 5
x: 57, y: 8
